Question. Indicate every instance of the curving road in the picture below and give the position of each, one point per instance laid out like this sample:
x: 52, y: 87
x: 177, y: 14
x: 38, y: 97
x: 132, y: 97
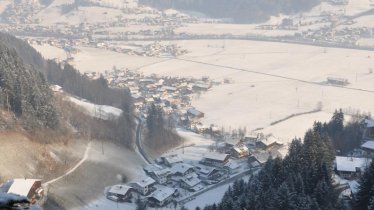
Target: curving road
x: 138, y: 143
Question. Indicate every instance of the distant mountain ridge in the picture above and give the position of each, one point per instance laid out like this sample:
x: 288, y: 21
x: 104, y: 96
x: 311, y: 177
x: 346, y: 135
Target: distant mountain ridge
x: 241, y: 11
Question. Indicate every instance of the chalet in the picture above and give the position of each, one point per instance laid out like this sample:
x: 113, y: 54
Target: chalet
x: 267, y: 143
x: 368, y: 147
x: 30, y: 188
x: 143, y: 186
x: 209, y: 174
x: 170, y: 160
x: 194, y: 113
x: 191, y: 182
x: 162, y: 196
x: 215, y: 159
x: 239, y: 151
x: 159, y: 174
x: 182, y: 169
x: 119, y: 193
x: 350, y: 167
x: 369, y: 129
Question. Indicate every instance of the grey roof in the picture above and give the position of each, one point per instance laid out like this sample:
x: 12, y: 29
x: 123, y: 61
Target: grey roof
x: 194, y: 111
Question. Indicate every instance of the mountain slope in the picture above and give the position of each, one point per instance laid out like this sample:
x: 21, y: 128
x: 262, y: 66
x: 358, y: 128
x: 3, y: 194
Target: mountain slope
x: 25, y: 91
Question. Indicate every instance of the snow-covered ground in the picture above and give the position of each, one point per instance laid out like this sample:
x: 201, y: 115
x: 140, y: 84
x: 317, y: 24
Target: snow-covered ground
x: 98, y: 111
x: 256, y: 100
x: 50, y: 52
x: 98, y: 60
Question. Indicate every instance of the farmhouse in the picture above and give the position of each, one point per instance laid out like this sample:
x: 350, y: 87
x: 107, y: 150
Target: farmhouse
x: 162, y: 196
x: 350, y: 167
x: 30, y: 188
x: 215, y: 159
x: 119, y: 193
x: 143, y: 186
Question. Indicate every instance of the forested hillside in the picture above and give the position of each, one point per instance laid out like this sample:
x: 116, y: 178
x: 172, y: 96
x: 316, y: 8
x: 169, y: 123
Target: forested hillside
x: 303, y: 179
x: 25, y: 92
x: 241, y: 11
x: 25, y: 79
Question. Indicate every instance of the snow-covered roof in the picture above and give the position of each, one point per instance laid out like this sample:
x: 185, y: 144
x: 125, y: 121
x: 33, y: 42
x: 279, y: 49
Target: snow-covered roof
x: 22, y: 186
x: 173, y: 159
x: 354, y: 186
x: 119, y: 189
x: 369, y: 123
x: 368, y: 145
x: 350, y: 164
x: 181, y: 168
x: 145, y: 182
x: 241, y: 148
x: 162, y: 193
x: 191, y: 180
x: 216, y: 156
x: 162, y: 172
x: 268, y: 141
x: 232, y: 165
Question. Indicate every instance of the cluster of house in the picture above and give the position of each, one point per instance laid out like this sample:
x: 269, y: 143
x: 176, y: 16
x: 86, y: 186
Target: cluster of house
x: 29, y: 188
x: 170, y: 176
x: 353, y: 166
x: 171, y: 94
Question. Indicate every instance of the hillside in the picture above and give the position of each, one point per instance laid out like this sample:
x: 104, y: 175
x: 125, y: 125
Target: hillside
x: 241, y: 11
x: 25, y: 92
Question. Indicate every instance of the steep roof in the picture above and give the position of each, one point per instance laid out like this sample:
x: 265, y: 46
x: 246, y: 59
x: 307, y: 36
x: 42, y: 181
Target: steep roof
x: 22, y: 186
x: 181, y: 168
x: 145, y: 182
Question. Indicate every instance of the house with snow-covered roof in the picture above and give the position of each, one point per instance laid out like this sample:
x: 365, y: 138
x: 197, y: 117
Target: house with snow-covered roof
x: 350, y: 167
x: 119, y: 192
x: 215, y: 159
x: 170, y: 160
x: 191, y: 182
x: 30, y: 188
x: 182, y: 169
x: 368, y: 147
x: 143, y: 186
x: 162, y: 196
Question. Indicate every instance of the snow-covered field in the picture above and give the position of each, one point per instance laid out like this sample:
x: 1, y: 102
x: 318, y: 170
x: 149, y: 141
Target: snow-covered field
x: 50, y: 52
x: 256, y: 100
x: 97, y: 60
